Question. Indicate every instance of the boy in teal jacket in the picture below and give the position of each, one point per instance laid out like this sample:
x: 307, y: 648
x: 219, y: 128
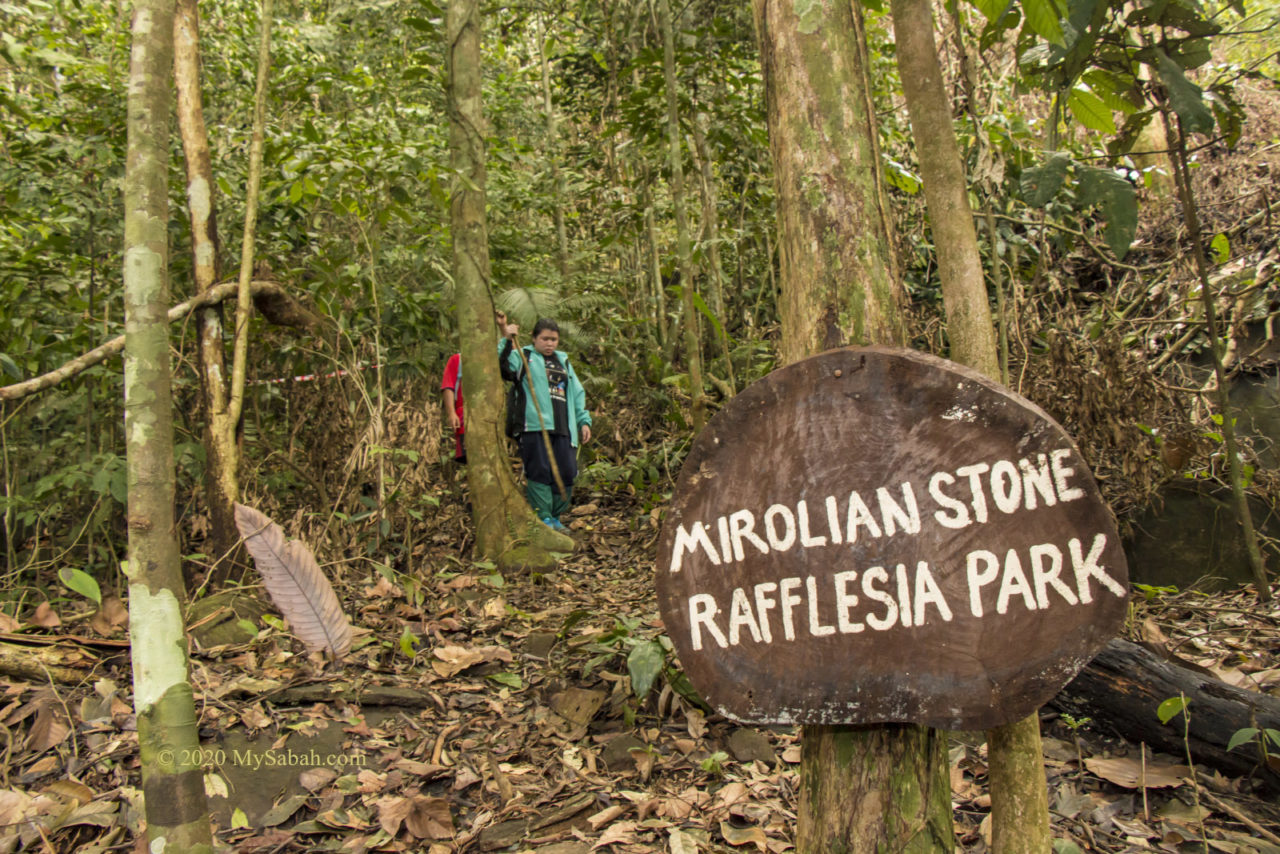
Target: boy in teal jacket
x: 557, y: 406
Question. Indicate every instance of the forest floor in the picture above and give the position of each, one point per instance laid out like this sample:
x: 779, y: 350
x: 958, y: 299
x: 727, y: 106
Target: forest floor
x: 481, y: 712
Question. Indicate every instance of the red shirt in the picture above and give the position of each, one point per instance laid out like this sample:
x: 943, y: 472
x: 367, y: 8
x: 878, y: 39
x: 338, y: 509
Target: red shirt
x: 453, y: 380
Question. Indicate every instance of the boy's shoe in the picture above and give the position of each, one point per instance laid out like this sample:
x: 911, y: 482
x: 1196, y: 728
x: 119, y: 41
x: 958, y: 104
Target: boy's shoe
x: 557, y: 525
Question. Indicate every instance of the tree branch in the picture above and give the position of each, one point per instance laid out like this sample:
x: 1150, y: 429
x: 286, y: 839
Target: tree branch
x: 271, y: 299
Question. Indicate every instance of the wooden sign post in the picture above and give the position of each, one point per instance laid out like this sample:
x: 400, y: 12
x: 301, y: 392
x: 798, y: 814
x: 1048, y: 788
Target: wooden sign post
x: 875, y: 535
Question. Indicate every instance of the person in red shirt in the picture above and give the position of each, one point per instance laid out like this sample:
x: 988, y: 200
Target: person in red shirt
x: 451, y: 390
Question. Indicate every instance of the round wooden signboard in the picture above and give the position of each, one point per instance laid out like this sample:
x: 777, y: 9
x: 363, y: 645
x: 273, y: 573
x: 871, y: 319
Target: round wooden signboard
x: 875, y: 535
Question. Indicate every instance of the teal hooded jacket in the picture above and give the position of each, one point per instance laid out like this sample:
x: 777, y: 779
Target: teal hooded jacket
x: 575, y: 394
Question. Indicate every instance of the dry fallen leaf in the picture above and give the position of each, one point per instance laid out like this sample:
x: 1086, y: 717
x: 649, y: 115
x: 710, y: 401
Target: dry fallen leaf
x: 621, y: 833
x: 111, y: 617
x: 1130, y: 773
x: 429, y: 818
x: 49, y: 729
x: 45, y: 617
x: 739, y: 836
x: 453, y: 659
x: 296, y: 583
x: 606, y: 816
x: 315, y: 779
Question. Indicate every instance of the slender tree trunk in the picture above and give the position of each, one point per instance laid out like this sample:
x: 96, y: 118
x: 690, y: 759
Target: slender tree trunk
x: 711, y: 237
x: 1208, y: 298
x: 684, y: 252
x: 235, y: 405
x: 553, y: 156
x: 964, y: 293
x: 222, y: 453
x: 507, y: 531
x: 655, y: 262
x: 863, y: 789
x: 1019, y: 796
x: 177, y: 815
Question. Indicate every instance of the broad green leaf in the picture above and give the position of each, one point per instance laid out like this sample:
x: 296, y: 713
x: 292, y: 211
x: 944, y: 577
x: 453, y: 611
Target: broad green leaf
x: 992, y: 9
x: 1186, y: 97
x: 1229, y: 113
x: 1242, y: 736
x: 511, y: 680
x: 1041, y: 183
x: 239, y: 819
x: 1221, y: 248
x: 408, y: 643
x: 900, y: 176
x: 1042, y: 17
x: 1111, y: 89
x: 644, y: 664
x: 1116, y: 199
x: 1091, y: 111
x: 701, y: 306
x: 10, y: 366
x: 1171, y: 708
x: 81, y: 582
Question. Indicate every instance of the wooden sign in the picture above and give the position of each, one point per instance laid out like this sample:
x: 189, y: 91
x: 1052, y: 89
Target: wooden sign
x: 875, y: 535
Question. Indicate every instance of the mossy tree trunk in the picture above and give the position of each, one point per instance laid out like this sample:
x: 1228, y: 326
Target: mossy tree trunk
x: 877, y: 788
x: 177, y: 815
x: 507, y: 531
x: 840, y: 283
x: 1019, y: 796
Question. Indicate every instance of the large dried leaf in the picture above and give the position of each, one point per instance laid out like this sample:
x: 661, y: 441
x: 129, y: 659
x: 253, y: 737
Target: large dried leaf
x: 295, y: 583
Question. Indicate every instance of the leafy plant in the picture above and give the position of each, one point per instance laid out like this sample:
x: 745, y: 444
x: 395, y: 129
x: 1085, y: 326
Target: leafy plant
x: 647, y: 659
x: 714, y: 764
x: 1266, y: 739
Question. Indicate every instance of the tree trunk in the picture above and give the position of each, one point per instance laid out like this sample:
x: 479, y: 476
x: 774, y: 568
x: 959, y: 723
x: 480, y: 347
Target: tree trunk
x: 863, y: 789
x: 711, y: 238
x: 684, y: 252
x: 177, y: 815
x: 1019, y: 796
x: 1208, y: 298
x: 553, y: 157
x: 834, y: 231
x: 507, y: 531
x: 222, y: 453
x: 235, y: 404
x: 964, y: 293
x: 655, y: 262
x: 857, y: 792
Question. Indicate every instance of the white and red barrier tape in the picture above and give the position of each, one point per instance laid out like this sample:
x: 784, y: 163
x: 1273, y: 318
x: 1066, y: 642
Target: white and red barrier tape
x: 304, y: 378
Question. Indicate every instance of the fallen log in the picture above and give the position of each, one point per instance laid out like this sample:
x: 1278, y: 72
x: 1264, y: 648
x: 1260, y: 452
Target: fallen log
x: 1124, y: 685
x: 66, y: 665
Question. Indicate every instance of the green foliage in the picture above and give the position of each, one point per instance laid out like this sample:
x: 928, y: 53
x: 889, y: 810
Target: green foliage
x: 1171, y: 708
x: 714, y: 764
x: 647, y: 659
x: 81, y: 582
x: 1150, y: 593
x: 1267, y: 739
